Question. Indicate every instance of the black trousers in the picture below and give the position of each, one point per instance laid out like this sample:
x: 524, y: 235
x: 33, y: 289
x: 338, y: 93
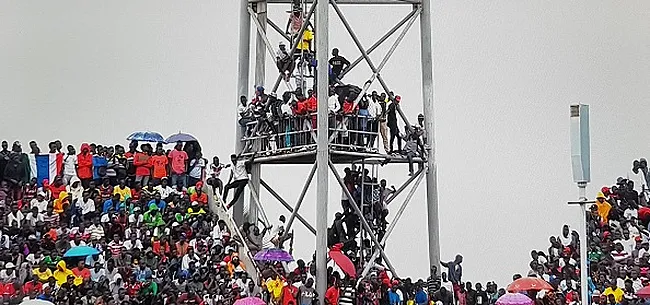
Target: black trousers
x: 394, y: 133
x: 239, y: 186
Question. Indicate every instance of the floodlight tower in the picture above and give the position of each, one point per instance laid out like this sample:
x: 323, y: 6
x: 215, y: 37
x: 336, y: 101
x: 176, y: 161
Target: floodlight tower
x: 320, y: 148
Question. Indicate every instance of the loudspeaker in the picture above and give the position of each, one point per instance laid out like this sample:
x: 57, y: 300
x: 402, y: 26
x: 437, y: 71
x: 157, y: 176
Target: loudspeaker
x: 580, y: 150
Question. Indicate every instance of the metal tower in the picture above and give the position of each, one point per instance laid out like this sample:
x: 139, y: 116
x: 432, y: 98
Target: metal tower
x: 319, y: 148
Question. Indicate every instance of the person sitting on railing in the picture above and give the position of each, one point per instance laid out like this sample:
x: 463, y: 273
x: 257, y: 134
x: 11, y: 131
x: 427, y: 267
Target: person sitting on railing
x: 284, y: 62
x: 244, y: 114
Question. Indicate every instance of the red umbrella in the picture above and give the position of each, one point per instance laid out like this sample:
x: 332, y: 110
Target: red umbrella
x: 529, y: 283
x: 644, y: 292
x: 342, y: 260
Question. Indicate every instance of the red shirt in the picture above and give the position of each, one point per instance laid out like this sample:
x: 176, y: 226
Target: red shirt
x: 57, y: 190
x: 142, y: 164
x: 332, y: 295
x: 83, y: 273
x: 8, y: 289
x: 30, y: 286
x: 85, y: 166
x: 289, y: 294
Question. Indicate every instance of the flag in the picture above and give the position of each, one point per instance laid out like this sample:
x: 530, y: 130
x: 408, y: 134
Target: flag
x: 45, y: 166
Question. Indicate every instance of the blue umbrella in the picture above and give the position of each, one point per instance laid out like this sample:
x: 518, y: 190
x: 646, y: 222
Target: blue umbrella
x: 146, y: 136
x: 81, y: 251
x: 180, y: 137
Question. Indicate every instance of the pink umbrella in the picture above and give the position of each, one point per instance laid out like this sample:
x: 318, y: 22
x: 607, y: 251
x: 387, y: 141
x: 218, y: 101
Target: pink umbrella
x: 514, y: 299
x: 250, y: 301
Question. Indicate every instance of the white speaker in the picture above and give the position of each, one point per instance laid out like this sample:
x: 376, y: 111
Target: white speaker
x: 580, y: 151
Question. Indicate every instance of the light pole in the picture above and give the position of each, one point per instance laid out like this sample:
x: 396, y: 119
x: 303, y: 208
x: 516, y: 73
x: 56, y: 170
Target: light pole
x: 580, y: 161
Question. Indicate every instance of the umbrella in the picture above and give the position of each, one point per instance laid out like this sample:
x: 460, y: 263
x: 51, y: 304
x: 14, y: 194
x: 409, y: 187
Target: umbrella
x: 180, y: 137
x: 36, y: 302
x: 529, y: 283
x: 81, y: 251
x: 644, y: 292
x: 146, y: 136
x: 273, y: 255
x: 514, y: 299
x: 250, y: 301
x: 342, y: 260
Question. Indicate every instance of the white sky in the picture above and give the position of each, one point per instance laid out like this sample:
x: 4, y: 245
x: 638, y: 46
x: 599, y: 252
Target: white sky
x: 505, y: 73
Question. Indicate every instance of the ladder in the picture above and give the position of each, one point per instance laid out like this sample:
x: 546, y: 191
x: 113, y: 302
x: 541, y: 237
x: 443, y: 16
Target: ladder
x: 217, y: 207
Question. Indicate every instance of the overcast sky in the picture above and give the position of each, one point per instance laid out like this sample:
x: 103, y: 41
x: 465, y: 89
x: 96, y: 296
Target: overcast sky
x: 505, y: 75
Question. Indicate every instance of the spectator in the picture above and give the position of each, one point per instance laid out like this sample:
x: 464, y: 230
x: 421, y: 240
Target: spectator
x: 179, y: 160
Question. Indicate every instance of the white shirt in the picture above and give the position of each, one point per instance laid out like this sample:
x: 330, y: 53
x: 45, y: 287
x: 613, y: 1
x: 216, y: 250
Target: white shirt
x: 164, y: 191
x: 40, y: 205
x: 239, y: 171
x: 333, y: 103
x: 374, y: 109
x: 286, y: 109
x: 34, y: 219
x: 87, y: 207
x: 128, y: 245
x: 629, y: 213
x: 18, y: 218
x: 196, y: 168
x: 242, y: 110
x: 187, y: 259
x: 69, y: 165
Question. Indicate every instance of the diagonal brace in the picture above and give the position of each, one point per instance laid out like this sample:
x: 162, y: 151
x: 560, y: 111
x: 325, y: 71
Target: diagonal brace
x: 379, y: 42
x: 294, y: 45
x: 393, y: 223
x: 362, y: 219
x: 404, y: 186
x: 266, y: 41
x: 302, y: 197
x: 294, y: 211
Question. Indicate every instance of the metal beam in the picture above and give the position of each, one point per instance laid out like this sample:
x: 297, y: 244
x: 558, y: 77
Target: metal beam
x: 404, y: 186
x: 362, y: 219
x: 261, y: 32
x: 242, y: 89
x: 393, y: 222
x: 348, y: 2
x: 429, y: 115
x: 255, y: 198
x: 322, y: 150
x: 294, y: 45
x: 287, y: 206
x: 301, y: 198
x: 379, y: 42
x: 278, y: 29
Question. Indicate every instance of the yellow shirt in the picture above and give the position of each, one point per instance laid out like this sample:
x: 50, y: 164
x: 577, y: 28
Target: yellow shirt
x: 275, y: 288
x: 618, y: 293
x: 43, y: 276
x: 124, y: 193
x: 307, y: 37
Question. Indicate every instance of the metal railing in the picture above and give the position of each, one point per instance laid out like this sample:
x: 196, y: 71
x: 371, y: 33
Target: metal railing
x: 356, y: 133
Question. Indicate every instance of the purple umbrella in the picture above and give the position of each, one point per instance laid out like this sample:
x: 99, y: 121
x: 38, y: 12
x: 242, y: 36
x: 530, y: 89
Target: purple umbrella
x: 514, y: 299
x: 273, y: 255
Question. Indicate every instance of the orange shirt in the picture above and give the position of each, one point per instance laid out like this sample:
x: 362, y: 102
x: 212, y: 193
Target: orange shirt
x: 202, y: 199
x: 159, y: 166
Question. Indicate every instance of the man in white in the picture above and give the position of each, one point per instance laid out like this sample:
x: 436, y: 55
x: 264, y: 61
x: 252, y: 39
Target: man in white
x: 15, y: 218
x: 238, y: 178
x: 87, y: 205
x: 69, y: 165
x: 39, y: 202
x: 133, y: 242
x: 189, y: 258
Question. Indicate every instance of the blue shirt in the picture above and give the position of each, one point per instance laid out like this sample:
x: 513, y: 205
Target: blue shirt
x: 393, y: 298
x: 421, y: 297
x: 99, y: 162
x: 109, y: 204
x: 161, y: 205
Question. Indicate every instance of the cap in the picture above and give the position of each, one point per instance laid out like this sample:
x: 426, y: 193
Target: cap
x: 260, y: 88
x: 596, y: 293
x: 420, y: 116
x: 398, y: 98
x: 10, y: 265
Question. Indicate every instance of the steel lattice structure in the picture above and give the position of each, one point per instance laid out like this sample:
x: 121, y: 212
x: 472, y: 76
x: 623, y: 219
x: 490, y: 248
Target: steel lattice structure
x: 325, y: 155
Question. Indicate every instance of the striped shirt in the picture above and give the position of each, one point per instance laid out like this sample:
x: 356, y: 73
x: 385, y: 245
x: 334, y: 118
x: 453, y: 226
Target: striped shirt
x: 116, y: 248
x: 347, y: 296
x: 433, y: 285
